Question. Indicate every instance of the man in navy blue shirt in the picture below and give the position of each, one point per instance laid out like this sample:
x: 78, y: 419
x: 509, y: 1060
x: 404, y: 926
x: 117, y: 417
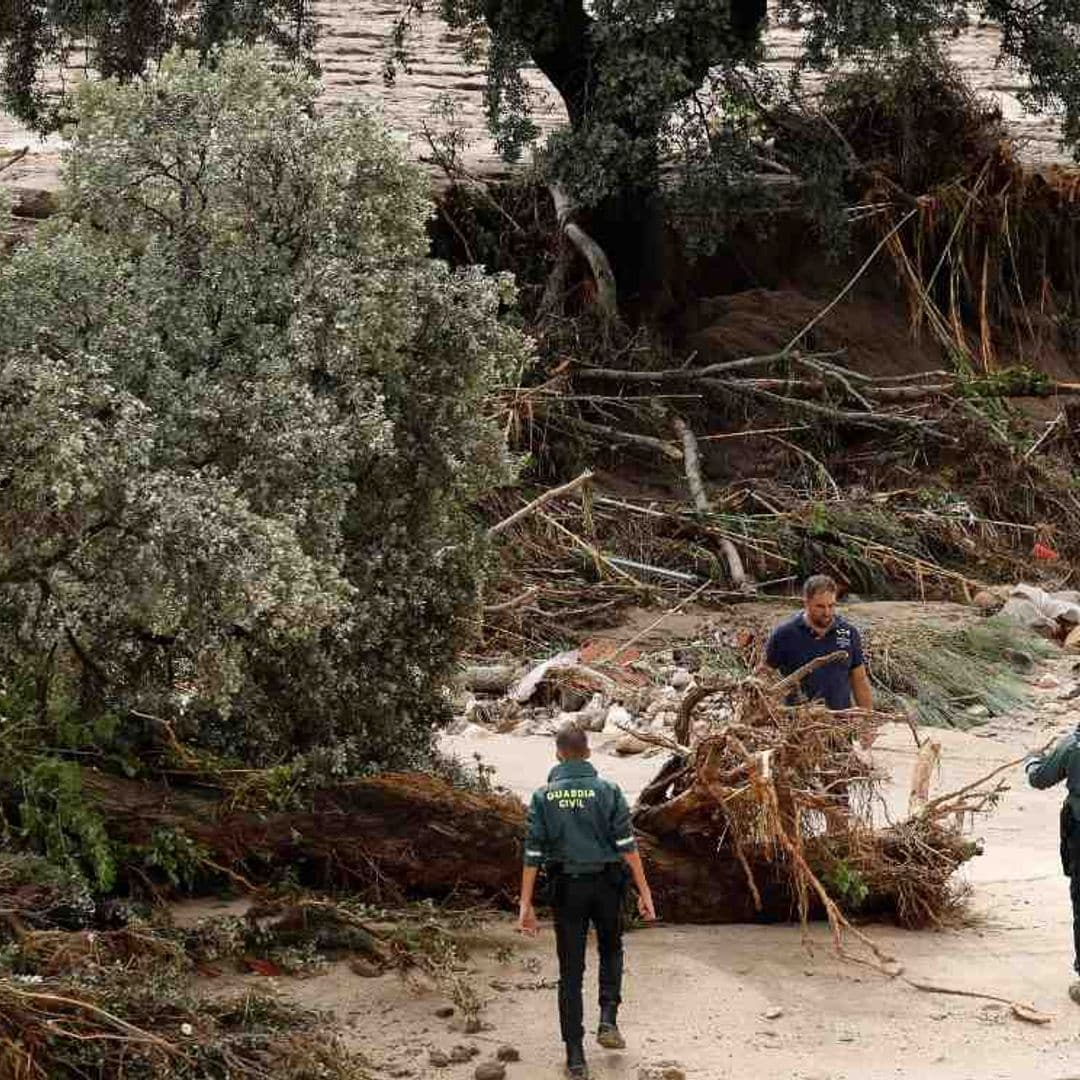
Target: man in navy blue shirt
x: 818, y: 631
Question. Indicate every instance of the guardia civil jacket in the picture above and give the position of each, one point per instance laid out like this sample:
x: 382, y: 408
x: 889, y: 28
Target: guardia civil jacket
x: 1061, y: 763
x: 579, y: 820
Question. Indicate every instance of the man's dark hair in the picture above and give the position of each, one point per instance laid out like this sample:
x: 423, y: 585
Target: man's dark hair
x: 817, y: 584
x: 571, y: 740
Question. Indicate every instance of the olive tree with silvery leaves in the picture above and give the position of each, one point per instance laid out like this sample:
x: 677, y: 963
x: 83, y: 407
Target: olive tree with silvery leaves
x: 244, y: 415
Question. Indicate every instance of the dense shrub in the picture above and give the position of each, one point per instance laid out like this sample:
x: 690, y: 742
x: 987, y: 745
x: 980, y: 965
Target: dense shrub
x: 243, y: 416
x: 913, y: 116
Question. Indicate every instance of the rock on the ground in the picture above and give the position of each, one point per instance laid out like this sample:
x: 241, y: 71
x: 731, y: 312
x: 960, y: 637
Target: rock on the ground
x: 508, y: 1053
x: 572, y: 698
x: 774, y: 1012
x: 365, y: 968
x: 490, y: 1070
x: 438, y: 1059
x: 460, y: 1054
x: 1023, y: 611
x: 986, y: 602
x: 630, y: 744
x: 444, y: 1012
x: 1022, y: 661
x: 617, y: 715
x: 680, y: 679
x: 664, y: 1071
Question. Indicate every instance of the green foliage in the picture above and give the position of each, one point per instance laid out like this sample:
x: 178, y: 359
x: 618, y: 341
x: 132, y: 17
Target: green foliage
x: 119, y: 39
x: 1006, y: 382
x: 846, y: 885
x: 937, y: 674
x: 58, y: 821
x: 631, y: 74
x: 244, y: 418
x: 176, y: 855
x: 913, y: 116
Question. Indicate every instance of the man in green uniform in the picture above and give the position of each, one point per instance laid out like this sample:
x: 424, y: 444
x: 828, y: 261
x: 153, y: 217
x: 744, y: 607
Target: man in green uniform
x: 1043, y: 771
x: 579, y: 828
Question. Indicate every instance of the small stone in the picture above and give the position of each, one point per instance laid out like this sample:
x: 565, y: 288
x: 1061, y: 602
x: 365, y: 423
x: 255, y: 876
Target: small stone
x: 663, y: 1071
x: 774, y: 1012
x: 986, y: 602
x: 365, y: 968
x: 438, y: 1059
x: 1047, y: 681
x: 490, y: 1070
x: 460, y: 1054
x: 571, y: 698
x: 444, y: 1012
x: 508, y: 1053
x: 617, y: 718
x: 680, y: 679
x: 1022, y: 661
x: 977, y: 710
x: 630, y: 744
x: 186, y: 1029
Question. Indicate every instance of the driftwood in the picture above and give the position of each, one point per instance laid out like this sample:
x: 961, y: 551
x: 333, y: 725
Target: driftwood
x: 590, y: 251
x: 692, y: 465
x: 539, y: 501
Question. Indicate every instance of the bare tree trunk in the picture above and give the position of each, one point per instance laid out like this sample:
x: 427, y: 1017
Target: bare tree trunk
x: 692, y: 465
x: 590, y: 250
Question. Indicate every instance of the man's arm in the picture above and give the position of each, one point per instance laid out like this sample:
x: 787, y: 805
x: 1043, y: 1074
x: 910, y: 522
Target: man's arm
x: 626, y: 845
x: 527, y: 923
x: 860, y: 687
x: 1046, y: 770
x: 646, y: 907
x: 536, y: 844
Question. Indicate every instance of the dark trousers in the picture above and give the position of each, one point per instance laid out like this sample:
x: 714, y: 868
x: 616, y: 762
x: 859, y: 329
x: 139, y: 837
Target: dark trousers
x: 1070, y: 863
x: 577, y: 902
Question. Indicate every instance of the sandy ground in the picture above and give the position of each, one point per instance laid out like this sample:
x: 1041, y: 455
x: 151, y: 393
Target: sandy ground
x: 699, y: 996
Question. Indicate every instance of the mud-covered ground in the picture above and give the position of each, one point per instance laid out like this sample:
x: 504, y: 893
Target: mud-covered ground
x: 759, y: 1001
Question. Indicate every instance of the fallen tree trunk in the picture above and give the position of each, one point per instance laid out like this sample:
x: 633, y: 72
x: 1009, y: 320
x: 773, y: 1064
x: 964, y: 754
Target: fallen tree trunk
x: 395, y: 836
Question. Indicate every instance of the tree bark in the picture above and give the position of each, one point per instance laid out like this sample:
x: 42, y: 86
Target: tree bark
x: 397, y: 835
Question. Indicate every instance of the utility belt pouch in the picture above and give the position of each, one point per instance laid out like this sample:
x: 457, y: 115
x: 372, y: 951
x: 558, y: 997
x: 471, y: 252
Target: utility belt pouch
x: 547, y: 883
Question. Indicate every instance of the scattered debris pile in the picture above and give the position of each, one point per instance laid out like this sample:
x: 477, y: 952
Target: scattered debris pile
x: 127, y: 993
x: 935, y: 675
x: 1053, y: 615
x: 765, y: 809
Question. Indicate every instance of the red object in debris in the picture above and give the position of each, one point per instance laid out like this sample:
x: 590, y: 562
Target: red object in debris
x: 263, y: 967
x: 1041, y: 551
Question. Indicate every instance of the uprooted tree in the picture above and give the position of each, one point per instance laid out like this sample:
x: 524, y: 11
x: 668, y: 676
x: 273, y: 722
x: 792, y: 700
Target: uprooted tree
x: 243, y: 418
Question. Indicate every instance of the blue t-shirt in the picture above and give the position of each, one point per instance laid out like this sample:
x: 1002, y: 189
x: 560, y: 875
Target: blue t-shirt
x: 793, y: 644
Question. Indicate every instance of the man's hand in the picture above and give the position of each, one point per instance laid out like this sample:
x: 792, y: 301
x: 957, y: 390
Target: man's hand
x: 527, y: 923
x: 645, y: 906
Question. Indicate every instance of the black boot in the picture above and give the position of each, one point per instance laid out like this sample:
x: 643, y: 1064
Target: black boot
x: 576, y: 1067
x: 608, y: 1034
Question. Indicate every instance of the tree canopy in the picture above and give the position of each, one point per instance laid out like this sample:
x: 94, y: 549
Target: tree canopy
x: 243, y: 414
